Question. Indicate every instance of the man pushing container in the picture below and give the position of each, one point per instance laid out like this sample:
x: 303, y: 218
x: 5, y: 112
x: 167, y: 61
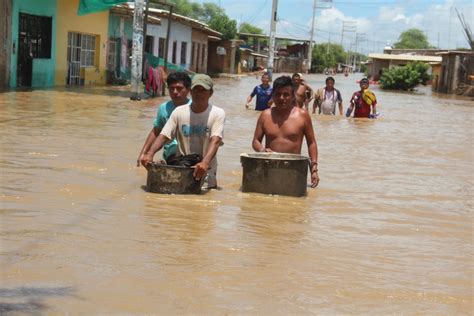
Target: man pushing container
x: 199, y: 128
x: 285, y: 125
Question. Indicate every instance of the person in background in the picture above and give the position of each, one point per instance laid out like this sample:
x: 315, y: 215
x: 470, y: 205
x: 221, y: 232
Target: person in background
x: 326, y: 99
x: 363, y: 102
x: 263, y: 93
x: 199, y: 128
x: 284, y: 126
x: 179, y: 85
x: 303, y: 92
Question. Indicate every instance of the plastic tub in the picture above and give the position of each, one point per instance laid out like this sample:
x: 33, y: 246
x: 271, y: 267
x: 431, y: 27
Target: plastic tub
x: 172, y: 180
x: 272, y: 173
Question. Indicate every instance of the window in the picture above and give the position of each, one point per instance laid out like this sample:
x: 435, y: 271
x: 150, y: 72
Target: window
x: 203, y: 54
x: 184, y: 49
x: 149, y: 44
x: 193, y: 45
x: 37, y: 31
x: 87, y: 50
x: 161, y: 48
x: 198, y: 57
x: 175, y: 44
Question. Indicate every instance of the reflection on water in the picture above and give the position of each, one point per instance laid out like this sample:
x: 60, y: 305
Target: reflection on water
x: 389, y: 230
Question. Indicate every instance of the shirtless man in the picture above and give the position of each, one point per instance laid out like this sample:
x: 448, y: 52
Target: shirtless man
x: 303, y: 92
x: 285, y: 125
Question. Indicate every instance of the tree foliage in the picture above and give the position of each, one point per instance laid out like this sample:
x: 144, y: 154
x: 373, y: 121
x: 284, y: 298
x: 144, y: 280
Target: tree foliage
x: 405, y: 77
x: 413, y: 39
x: 249, y: 28
x: 327, y: 56
x: 209, y: 13
x: 225, y: 25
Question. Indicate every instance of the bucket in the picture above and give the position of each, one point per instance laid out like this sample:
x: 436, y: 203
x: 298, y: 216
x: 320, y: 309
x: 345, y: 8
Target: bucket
x: 172, y: 180
x: 272, y: 173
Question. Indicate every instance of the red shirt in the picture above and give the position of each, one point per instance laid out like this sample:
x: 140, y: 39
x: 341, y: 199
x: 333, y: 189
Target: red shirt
x: 362, y: 109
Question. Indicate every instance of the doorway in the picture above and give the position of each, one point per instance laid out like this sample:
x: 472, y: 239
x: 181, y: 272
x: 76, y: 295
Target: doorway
x: 34, y: 41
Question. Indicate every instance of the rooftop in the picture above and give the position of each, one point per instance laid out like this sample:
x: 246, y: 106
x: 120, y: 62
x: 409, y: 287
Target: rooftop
x: 406, y: 57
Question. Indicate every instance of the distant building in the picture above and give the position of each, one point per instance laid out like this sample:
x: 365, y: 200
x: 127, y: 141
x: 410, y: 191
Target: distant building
x: 290, y: 58
x: 187, y: 47
x: 46, y: 43
x: 380, y: 62
x: 456, y: 75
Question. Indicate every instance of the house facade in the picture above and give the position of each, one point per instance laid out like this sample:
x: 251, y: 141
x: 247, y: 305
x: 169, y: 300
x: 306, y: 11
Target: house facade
x: 81, y: 43
x: 32, y: 43
x: 187, y: 46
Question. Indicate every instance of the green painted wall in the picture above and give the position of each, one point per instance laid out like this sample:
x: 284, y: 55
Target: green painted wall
x: 114, y: 32
x: 43, y: 69
x: 114, y: 27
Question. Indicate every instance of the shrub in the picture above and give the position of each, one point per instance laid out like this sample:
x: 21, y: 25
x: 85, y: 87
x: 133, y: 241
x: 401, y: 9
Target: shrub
x: 405, y: 77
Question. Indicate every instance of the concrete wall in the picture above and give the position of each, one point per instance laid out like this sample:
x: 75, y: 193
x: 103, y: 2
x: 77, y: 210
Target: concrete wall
x: 5, y: 42
x: 92, y: 24
x: 219, y: 63
x: 43, y: 69
x: 377, y: 67
x: 289, y: 64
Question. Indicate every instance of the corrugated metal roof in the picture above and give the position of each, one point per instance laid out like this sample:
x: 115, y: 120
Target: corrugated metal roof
x: 406, y: 57
x: 177, y: 17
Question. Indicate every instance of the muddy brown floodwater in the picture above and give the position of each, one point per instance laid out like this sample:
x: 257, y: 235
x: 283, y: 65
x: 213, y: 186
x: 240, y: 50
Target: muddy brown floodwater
x: 388, y: 231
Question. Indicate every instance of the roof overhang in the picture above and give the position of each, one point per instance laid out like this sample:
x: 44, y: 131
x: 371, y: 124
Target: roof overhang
x: 164, y: 14
x: 406, y: 57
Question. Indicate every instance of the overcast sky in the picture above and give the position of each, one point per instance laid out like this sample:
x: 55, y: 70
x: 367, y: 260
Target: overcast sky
x: 381, y: 21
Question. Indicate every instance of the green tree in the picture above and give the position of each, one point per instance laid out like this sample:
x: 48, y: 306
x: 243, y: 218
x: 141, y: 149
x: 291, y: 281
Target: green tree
x: 222, y: 23
x: 327, y: 55
x: 209, y: 13
x: 412, y: 39
x: 405, y: 77
x: 249, y: 28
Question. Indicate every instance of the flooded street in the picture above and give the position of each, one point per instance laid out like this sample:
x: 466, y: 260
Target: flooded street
x: 388, y: 230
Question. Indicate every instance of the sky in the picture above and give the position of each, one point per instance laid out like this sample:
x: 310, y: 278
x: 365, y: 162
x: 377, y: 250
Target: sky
x: 379, y: 22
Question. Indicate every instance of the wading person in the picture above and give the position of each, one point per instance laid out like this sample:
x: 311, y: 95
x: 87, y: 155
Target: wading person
x: 284, y: 126
x: 303, y: 92
x: 179, y: 85
x: 263, y: 93
x: 326, y: 99
x: 199, y: 129
x: 363, y: 102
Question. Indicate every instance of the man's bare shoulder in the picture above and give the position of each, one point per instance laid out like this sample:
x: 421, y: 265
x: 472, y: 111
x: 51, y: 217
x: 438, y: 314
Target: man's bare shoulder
x: 297, y: 111
x: 266, y: 113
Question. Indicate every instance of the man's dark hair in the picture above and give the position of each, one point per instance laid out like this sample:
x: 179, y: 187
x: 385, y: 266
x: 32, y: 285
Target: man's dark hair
x: 364, y: 80
x: 330, y: 78
x: 283, y: 81
x: 177, y: 77
x: 266, y: 74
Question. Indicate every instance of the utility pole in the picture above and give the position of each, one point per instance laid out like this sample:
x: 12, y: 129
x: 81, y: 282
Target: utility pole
x: 310, y: 50
x: 347, y: 27
x: 271, y: 55
x: 360, y: 37
x: 137, y: 49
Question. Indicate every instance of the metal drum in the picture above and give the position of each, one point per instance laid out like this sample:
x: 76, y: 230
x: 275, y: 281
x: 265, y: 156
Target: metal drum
x: 272, y: 173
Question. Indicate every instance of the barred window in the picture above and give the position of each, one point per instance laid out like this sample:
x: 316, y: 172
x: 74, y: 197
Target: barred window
x: 88, y: 50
